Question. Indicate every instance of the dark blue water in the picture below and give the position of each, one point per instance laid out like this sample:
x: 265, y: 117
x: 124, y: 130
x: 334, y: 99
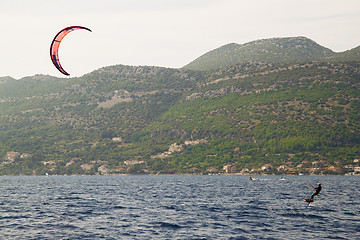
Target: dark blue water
x: 178, y: 207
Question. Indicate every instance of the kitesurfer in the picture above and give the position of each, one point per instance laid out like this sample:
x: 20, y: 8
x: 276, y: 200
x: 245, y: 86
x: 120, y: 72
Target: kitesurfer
x: 317, y: 191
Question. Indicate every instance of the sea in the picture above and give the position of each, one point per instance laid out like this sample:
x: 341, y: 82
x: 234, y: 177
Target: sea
x: 178, y: 207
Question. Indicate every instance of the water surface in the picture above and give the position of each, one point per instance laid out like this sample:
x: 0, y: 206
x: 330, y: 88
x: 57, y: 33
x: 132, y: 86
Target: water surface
x: 178, y: 207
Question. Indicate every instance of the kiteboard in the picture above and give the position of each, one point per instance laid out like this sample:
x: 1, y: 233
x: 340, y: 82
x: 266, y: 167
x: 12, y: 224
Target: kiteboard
x: 309, y: 200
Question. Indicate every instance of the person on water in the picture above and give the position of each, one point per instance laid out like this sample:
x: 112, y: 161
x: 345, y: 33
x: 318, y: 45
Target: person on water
x: 317, y: 191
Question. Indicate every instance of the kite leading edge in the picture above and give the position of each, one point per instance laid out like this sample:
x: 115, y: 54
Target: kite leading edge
x: 54, y: 48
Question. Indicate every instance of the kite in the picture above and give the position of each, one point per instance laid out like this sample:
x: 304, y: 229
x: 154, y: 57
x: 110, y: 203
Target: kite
x: 56, y: 43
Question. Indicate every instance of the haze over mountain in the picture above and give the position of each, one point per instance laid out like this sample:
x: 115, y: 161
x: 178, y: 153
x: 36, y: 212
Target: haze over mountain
x: 286, y: 102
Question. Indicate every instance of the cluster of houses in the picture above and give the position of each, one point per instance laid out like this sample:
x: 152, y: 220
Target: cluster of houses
x: 12, y: 156
x: 306, y: 167
x: 99, y: 166
x: 102, y: 169
x: 175, y: 148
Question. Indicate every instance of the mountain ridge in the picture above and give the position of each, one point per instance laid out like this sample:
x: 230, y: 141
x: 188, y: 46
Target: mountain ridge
x: 284, y: 50
x: 272, y: 50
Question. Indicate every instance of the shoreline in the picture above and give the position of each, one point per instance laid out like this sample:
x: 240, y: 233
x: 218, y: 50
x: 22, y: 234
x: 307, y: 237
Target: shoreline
x: 183, y: 174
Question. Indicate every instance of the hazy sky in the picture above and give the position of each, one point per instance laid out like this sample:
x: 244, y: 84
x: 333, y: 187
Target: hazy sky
x: 168, y: 33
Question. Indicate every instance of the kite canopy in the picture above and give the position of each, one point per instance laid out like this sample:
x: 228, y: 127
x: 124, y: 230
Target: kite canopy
x: 54, y: 48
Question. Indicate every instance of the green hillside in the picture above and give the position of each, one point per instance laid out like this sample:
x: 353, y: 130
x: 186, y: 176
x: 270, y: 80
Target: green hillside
x: 273, y: 50
x: 297, y: 117
x: 350, y: 55
x: 5, y: 79
x: 286, y: 114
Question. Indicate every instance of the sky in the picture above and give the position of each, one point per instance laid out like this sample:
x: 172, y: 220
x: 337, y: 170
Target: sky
x: 166, y: 33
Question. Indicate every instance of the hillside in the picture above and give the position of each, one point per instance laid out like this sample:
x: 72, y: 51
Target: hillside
x: 5, y: 79
x: 273, y: 50
x: 256, y: 116
x: 350, y: 55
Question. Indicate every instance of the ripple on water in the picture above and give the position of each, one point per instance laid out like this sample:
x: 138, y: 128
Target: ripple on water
x: 177, y: 207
